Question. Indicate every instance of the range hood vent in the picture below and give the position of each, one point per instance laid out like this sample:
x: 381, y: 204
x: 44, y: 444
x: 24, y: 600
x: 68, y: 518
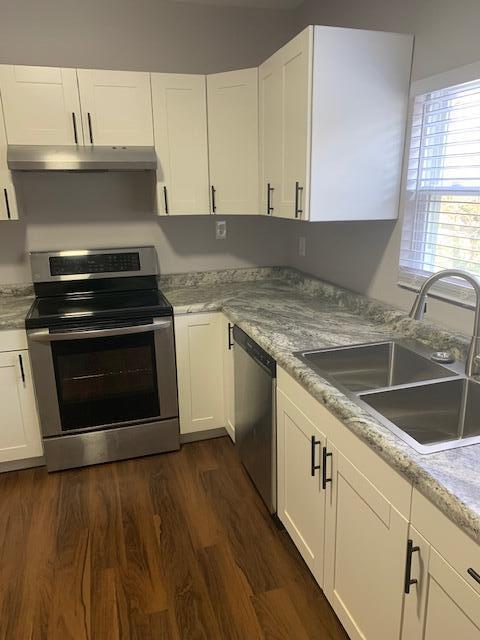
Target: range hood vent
x: 79, y: 158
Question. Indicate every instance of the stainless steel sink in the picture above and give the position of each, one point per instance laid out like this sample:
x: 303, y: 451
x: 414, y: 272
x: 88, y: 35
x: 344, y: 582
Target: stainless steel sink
x: 430, y: 417
x: 373, y: 366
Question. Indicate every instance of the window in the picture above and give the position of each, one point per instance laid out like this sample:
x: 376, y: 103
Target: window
x: 441, y: 228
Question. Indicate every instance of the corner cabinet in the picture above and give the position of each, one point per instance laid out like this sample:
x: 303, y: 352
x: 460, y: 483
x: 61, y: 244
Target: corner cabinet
x: 198, y: 340
x: 180, y: 127
x: 284, y: 108
x: 19, y: 427
x: 333, y: 106
x: 233, y: 141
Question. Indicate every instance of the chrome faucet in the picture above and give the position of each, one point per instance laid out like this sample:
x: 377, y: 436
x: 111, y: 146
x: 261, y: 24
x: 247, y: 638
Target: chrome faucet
x: 472, y: 365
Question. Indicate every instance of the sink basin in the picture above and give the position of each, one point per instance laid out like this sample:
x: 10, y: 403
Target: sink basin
x: 373, y: 366
x: 433, y: 416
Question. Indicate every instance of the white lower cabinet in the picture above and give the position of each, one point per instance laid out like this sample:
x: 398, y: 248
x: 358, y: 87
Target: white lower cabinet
x: 440, y: 605
x: 228, y: 376
x: 345, y: 509
x: 301, y: 500
x: 443, y: 599
x: 198, y: 338
x: 19, y: 428
x: 392, y: 566
x: 364, y: 553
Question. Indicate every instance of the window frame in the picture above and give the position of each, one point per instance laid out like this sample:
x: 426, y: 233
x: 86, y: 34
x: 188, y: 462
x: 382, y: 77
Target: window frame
x: 456, y: 292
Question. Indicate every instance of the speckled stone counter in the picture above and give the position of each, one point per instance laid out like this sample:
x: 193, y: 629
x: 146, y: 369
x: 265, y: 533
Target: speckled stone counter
x: 286, y: 311
x: 15, y: 301
x: 289, y: 312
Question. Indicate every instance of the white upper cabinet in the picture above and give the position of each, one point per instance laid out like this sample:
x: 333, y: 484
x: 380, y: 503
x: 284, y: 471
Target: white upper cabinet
x: 40, y: 105
x: 359, y: 107
x: 233, y: 141
x: 116, y: 107
x: 295, y: 66
x: 270, y: 126
x: 8, y: 198
x: 336, y: 123
x: 180, y: 126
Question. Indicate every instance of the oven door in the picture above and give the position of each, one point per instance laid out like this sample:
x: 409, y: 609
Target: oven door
x: 104, y: 376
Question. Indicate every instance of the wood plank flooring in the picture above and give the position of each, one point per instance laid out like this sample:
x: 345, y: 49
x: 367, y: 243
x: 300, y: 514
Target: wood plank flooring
x: 177, y: 547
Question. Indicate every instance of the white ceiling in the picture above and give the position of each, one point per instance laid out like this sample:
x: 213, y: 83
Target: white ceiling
x: 260, y: 4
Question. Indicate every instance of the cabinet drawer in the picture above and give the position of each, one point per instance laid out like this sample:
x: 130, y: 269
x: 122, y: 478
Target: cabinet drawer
x: 394, y: 487
x: 453, y: 544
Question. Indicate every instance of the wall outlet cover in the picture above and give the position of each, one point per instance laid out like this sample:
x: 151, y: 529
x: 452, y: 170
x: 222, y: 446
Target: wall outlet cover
x: 221, y: 230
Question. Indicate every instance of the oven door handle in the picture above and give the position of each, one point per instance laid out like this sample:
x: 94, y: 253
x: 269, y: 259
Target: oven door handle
x: 44, y: 335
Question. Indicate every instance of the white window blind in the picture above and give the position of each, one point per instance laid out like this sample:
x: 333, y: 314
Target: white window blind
x: 441, y: 228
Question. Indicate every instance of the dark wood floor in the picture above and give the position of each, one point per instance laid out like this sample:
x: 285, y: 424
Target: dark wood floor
x: 176, y: 546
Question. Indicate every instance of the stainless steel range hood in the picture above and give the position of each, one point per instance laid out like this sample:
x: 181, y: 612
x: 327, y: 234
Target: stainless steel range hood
x: 80, y: 158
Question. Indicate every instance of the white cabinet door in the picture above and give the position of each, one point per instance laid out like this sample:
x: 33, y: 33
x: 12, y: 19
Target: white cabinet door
x: 19, y: 428
x: 232, y: 100
x: 198, y: 339
x: 8, y: 198
x: 116, y: 107
x: 270, y: 131
x: 301, y: 499
x: 365, y: 544
x: 296, y: 74
x: 228, y: 376
x: 180, y: 126
x: 40, y: 105
x: 440, y: 605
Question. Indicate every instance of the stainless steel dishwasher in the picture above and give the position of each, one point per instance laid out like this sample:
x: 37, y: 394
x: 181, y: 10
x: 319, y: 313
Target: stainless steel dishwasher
x: 255, y: 415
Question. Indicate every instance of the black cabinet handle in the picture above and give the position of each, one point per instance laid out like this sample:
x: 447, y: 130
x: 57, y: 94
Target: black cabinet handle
x: 214, y: 206
x: 90, y: 130
x: 298, y: 190
x: 476, y: 576
x: 74, y: 122
x: 7, y: 203
x: 325, y: 455
x: 230, y: 333
x: 313, y: 466
x: 22, y: 370
x: 165, y: 199
x: 270, y: 189
x: 409, y: 581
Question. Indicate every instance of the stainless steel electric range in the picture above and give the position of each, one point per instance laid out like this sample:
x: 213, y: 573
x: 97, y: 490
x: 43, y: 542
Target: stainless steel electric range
x: 101, y: 342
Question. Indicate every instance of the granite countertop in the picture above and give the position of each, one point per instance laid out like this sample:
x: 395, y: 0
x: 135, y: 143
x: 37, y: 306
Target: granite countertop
x: 286, y: 311
x: 15, y: 301
x: 291, y: 312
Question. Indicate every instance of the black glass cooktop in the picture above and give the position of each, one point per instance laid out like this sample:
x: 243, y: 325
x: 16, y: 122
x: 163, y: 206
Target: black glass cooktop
x: 89, y: 308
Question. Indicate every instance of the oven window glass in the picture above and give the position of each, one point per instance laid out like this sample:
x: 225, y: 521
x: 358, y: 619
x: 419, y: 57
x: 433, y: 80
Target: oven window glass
x: 104, y: 381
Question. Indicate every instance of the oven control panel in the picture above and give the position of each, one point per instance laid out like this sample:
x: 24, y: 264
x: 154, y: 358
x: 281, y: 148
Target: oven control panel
x: 94, y: 263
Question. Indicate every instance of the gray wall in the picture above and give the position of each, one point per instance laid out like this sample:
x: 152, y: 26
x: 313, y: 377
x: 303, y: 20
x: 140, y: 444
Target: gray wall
x: 364, y: 256
x: 150, y: 35
x: 107, y: 210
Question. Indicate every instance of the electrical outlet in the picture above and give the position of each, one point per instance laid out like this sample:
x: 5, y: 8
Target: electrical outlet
x: 301, y: 246
x: 221, y: 230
